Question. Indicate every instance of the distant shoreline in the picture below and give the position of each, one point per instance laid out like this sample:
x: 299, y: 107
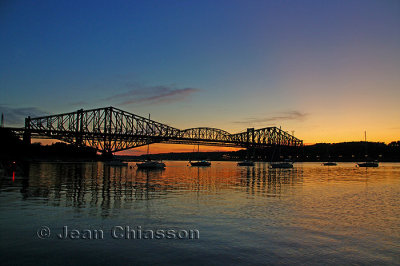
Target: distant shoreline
x: 13, y: 148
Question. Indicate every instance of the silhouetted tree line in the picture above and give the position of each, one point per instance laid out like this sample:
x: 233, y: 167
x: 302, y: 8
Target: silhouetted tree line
x: 13, y: 148
x: 340, y: 152
x: 352, y: 151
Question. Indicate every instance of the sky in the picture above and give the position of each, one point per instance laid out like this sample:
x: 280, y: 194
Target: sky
x: 325, y: 70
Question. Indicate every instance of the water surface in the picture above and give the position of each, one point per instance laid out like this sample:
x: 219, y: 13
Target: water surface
x: 310, y: 214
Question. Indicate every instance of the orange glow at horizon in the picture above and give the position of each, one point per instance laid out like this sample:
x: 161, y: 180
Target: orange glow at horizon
x: 158, y: 148
x: 176, y: 148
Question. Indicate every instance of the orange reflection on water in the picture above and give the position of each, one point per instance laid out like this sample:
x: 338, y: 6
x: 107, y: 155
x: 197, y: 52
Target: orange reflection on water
x: 342, y: 211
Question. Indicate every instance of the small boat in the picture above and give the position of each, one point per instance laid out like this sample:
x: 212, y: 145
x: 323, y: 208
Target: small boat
x: 246, y: 163
x: 151, y: 165
x: 330, y: 164
x: 368, y: 164
x: 200, y: 163
x: 284, y: 164
x: 116, y: 163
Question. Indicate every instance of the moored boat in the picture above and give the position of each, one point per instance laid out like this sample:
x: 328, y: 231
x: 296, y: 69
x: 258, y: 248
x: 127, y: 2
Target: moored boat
x: 151, y: 165
x: 284, y: 164
x: 330, y: 164
x: 116, y: 163
x: 368, y: 164
x: 246, y: 163
x: 200, y: 163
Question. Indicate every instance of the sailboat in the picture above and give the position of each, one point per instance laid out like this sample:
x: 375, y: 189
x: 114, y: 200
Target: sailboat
x: 286, y: 163
x: 367, y: 163
x: 150, y: 164
x: 329, y: 163
x: 200, y: 163
x: 116, y: 163
x: 246, y: 162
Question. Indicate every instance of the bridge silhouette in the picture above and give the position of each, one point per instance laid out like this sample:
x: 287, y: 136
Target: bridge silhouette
x: 110, y: 129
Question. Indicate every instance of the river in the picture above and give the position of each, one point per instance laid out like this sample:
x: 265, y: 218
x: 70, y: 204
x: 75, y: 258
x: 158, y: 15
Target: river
x: 223, y: 214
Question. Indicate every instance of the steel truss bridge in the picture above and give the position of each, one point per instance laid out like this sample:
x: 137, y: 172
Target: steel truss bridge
x: 110, y: 130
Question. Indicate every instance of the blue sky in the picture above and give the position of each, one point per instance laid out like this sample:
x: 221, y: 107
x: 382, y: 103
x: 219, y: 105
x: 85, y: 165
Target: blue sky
x: 326, y: 69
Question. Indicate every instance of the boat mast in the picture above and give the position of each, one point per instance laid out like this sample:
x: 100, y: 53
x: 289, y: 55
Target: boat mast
x: 148, y: 142
x: 365, y: 141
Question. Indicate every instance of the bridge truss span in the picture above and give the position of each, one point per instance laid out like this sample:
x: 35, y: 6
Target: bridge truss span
x: 111, y: 129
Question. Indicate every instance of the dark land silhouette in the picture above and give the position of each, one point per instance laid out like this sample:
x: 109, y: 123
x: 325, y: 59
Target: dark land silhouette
x: 321, y: 152
x: 13, y: 148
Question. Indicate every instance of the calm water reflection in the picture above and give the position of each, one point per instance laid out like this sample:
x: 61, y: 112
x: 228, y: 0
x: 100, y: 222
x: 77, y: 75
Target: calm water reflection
x: 251, y: 215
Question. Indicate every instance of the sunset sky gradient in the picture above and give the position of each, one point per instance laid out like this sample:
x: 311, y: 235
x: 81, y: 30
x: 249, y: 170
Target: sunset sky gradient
x: 327, y: 70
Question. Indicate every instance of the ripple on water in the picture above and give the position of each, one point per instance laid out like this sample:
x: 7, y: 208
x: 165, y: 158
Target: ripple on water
x: 250, y: 215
